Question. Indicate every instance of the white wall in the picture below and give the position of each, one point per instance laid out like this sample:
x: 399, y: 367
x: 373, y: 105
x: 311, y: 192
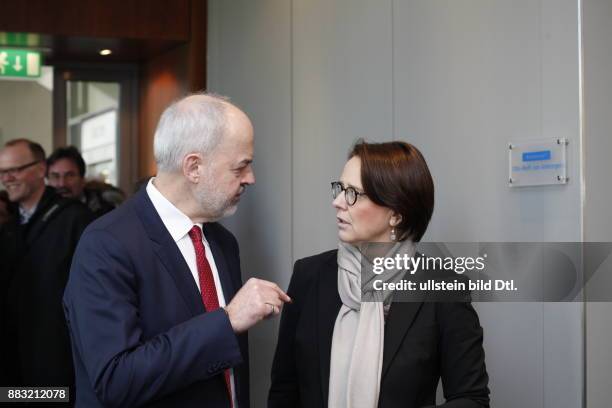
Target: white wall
x: 459, y: 80
x: 597, y: 56
x: 468, y: 78
x: 25, y: 112
x: 250, y: 60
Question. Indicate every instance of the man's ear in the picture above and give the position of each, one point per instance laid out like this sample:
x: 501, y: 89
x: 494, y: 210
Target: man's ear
x: 42, y: 169
x: 191, y: 167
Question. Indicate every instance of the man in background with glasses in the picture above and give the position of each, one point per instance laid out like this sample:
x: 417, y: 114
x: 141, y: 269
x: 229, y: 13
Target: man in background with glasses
x: 35, y: 343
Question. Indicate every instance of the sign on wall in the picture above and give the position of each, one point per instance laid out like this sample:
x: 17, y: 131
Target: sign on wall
x: 538, y: 162
x: 19, y: 63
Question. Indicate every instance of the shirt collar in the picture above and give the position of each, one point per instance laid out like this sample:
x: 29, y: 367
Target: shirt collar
x: 176, y: 222
x: 25, y: 215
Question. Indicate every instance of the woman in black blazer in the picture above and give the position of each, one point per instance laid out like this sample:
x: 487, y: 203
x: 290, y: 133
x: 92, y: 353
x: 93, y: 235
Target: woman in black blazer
x: 334, y: 350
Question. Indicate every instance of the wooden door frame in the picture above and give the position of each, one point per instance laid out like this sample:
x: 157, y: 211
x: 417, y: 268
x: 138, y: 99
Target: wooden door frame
x: 126, y: 75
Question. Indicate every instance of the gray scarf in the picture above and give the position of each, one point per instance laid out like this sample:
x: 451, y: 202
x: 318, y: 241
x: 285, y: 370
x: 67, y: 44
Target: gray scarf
x: 357, y: 343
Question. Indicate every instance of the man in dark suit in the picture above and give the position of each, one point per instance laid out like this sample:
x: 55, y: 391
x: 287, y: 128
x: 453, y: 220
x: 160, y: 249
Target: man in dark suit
x: 154, y: 304
x: 37, y: 248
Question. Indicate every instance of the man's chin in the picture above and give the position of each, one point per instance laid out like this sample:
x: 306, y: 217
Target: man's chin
x: 230, y: 210
x: 64, y: 193
x: 14, y: 196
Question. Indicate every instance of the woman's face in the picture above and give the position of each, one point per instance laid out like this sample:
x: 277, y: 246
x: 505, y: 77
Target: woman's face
x: 364, y: 221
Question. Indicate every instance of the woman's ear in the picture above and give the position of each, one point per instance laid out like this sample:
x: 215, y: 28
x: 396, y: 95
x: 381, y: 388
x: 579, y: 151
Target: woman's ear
x: 395, y: 220
x: 191, y: 167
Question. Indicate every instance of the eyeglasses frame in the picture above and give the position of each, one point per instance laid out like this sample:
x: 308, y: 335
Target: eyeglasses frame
x: 345, y: 189
x: 13, y: 171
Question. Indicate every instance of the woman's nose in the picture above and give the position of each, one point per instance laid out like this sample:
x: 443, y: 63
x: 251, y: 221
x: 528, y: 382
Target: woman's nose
x: 339, y: 202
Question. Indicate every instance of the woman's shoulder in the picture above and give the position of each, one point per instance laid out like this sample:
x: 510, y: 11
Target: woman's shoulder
x: 321, y: 259
x: 307, y: 270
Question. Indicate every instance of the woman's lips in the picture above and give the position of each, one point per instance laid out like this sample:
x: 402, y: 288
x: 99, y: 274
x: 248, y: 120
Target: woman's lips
x: 341, y: 223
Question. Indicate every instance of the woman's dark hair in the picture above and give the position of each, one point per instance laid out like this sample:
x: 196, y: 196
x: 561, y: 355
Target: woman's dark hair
x: 395, y: 175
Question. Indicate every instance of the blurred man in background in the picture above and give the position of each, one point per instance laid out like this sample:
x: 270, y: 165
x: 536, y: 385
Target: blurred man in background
x: 66, y: 172
x: 36, y: 262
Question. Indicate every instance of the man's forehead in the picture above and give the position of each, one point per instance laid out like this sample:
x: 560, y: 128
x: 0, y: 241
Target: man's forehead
x: 233, y: 154
x: 63, y: 164
x: 16, y: 153
x: 237, y: 144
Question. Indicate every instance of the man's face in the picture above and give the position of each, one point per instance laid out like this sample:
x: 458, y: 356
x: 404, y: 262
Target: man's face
x: 21, y: 181
x: 65, y: 177
x: 228, y: 170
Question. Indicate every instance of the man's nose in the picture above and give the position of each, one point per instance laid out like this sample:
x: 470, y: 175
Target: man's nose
x: 249, y: 178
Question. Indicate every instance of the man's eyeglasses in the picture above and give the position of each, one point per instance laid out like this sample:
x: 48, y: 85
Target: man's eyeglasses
x: 13, y: 171
x: 350, y: 194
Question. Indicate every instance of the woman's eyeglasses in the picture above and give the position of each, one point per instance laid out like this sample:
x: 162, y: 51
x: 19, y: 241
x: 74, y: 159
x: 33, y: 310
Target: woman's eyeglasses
x: 350, y: 194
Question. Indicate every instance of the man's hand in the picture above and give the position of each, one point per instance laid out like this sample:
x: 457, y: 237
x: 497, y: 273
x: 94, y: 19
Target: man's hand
x: 255, y: 301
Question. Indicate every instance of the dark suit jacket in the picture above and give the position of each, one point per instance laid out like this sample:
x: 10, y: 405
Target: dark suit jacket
x: 140, y: 334
x: 423, y: 342
x: 38, y: 255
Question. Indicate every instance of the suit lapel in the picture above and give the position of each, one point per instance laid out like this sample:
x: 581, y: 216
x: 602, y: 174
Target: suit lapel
x: 328, y: 306
x: 168, y: 253
x: 401, y: 316
x: 39, y: 221
x: 221, y: 263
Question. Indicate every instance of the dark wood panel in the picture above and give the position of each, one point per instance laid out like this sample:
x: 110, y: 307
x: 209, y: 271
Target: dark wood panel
x: 135, y: 19
x: 163, y: 79
x: 168, y: 77
x: 86, y: 49
x: 196, y: 71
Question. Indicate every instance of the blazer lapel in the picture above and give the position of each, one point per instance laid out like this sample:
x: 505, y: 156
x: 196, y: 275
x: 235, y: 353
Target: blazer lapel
x: 221, y: 262
x: 168, y: 253
x: 401, y: 316
x: 328, y: 304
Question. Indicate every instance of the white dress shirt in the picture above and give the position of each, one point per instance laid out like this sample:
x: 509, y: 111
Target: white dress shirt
x: 179, y: 225
x: 25, y: 215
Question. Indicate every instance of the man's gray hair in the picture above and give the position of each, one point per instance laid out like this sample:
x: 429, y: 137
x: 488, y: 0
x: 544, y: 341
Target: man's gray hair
x: 193, y: 124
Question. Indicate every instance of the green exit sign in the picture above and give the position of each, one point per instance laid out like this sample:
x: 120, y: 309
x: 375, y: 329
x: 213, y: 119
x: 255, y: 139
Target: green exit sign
x: 19, y: 63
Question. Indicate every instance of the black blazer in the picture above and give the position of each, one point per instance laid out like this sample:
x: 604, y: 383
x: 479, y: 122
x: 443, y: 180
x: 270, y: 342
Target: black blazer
x: 423, y: 342
x: 36, y: 343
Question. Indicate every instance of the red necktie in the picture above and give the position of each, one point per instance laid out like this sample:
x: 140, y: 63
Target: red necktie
x: 207, y: 286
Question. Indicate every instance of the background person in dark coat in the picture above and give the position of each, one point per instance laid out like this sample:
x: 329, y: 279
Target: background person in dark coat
x: 44, y: 239
x: 8, y: 212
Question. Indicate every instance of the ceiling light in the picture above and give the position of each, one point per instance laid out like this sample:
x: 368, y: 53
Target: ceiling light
x: 105, y: 51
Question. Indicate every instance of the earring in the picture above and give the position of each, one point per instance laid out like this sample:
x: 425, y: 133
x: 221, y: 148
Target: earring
x: 392, y: 235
